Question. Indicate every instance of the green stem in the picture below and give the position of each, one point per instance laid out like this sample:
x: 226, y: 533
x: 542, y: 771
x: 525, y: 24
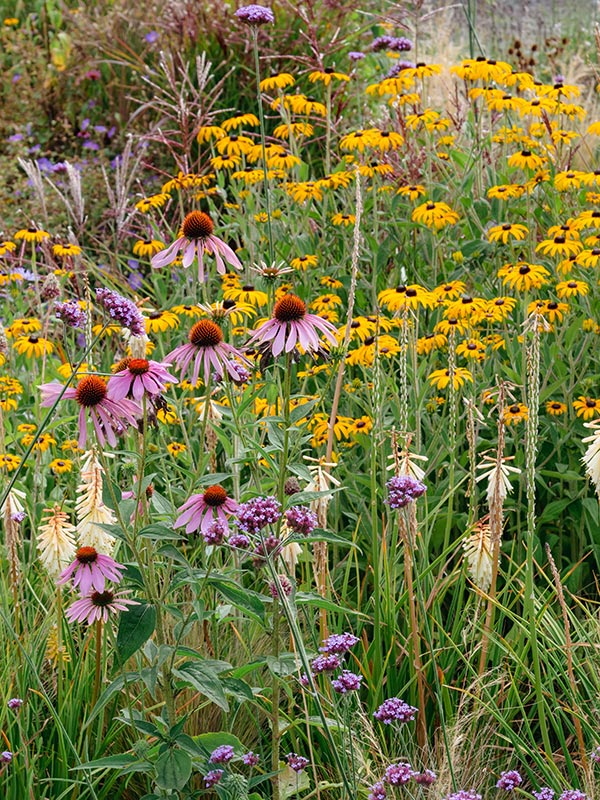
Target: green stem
x: 98, y: 669
x: 275, y: 695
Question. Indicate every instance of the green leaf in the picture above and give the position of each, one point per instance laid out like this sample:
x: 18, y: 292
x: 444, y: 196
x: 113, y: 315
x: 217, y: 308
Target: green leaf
x: 122, y: 761
x: 173, y: 769
x: 244, y: 599
x: 204, y: 680
x: 210, y: 742
x: 292, y: 783
x: 136, y: 626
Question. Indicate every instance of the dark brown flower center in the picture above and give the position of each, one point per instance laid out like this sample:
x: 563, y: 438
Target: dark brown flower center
x: 524, y: 269
x: 289, y: 309
x: 514, y: 409
x: 91, y: 390
x: 197, y: 225
x: 102, y: 598
x: 559, y: 240
x: 139, y: 366
x: 205, y: 333
x: 215, y: 496
x: 86, y: 555
x: 590, y: 403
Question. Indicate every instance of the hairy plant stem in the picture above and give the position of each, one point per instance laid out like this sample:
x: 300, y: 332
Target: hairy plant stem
x: 261, y: 117
x: 533, y: 398
x: 275, y: 695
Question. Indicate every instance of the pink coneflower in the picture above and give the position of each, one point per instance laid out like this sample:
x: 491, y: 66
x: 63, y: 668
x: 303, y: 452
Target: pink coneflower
x: 108, y: 416
x: 206, y: 346
x: 201, y: 511
x: 291, y: 325
x: 96, y: 606
x: 138, y: 377
x: 91, y: 570
x: 196, y: 237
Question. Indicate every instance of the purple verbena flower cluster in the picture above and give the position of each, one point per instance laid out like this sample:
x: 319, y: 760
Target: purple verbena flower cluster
x: 377, y: 791
x: 296, y: 762
x: 257, y: 513
x: 122, y: 310
x: 394, y: 710
x: 71, y: 314
x: 403, y: 490
x: 545, y: 793
x: 222, y: 754
x: 425, y: 778
x: 325, y: 663
x: 213, y: 777
x: 396, y: 44
x: 15, y: 703
x: 463, y: 794
x: 595, y: 755
x: 6, y: 757
x: 346, y: 682
x: 215, y: 534
x: 255, y: 15
x: 338, y: 643
x: 250, y: 759
x: 573, y: 794
x: 509, y: 780
x: 397, y: 68
x: 356, y: 55
x: 301, y: 520
x: 398, y: 774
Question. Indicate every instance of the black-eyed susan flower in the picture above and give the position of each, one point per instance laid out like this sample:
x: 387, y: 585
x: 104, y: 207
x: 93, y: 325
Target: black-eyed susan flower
x: 247, y: 294
x: 590, y: 218
x: 383, y: 346
x: 515, y: 413
x: 327, y: 75
x: 23, y: 326
x: 293, y: 129
x: 571, y: 288
x: 526, y: 159
x: 447, y: 326
x: 356, y: 141
x: 303, y: 191
x: 509, y: 230
x: 176, y: 449
x: 9, y: 462
x: 35, y: 235
x: 506, y: 191
x: 61, y: 465
x: 70, y: 446
x: 168, y: 415
x: 559, y: 246
x: 26, y: 427
x: 146, y: 204
x: 425, y: 117
x: 523, y: 276
x: 191, y: 311
x: 335, y: 180
x: 280, y: 81
x: 280, y: 158
x: 440, y: 378
x: 362, y: 425
x: 552, y: 310
x: 465, y: 306
x: 588, y: 258
x: 234, y: 145
x: 240, y: 121
x: 33, y: 346
x: 209, y: 132
x: 7, y: 247
x: 303, y: 262
x: 66, y: 250
x: 43, y: 442
x: 472, y: 349
x: 570, y: 179
x: 225, y: 162
x: 385, y: 140
x: 402, y: 296
x: 435, y: 215
x: 413, y: 191
x: 555, y: 408
x: 160, y: 321
x: 319, y: 427
x: 326, y: 302
x: 430, y: 342
x: 343, y: 219
x: 147, y: 247
x: 449, y: 290
x: 587, y: 407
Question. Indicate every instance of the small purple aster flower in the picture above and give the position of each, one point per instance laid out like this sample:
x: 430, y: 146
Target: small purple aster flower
x: 425, y: 778
x: 325, y: 663
x: 463, y: 794
x: 356, y: 55
x: 509, y: 780
x: 15, y: 703
x: 296, y: 762
x: 71, y: 314
x: 338, y: 643
x: 255, y: 15
x: 301, y: 520
x: 152, y: 36
x: 257, y: 513
x: 222, y: 754
x: 212, y: 778
x: 6, y: 757
x: 398, y: 774
x: 403, y: 490
x: 346, y: 682
x: 122, y: 310
x: 573, y: 794
x: 545, y: 793
x: 250, y: 759
x: 377, y: 791
x: 394, y: 710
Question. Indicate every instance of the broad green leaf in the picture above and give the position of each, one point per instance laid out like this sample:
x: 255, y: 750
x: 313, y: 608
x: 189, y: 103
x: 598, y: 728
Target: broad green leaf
x: 173, y: 769
x: 204, y: 680
x: 136, y: 626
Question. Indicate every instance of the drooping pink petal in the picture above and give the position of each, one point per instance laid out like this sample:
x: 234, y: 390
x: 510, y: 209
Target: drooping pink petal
x: 168, y: 255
